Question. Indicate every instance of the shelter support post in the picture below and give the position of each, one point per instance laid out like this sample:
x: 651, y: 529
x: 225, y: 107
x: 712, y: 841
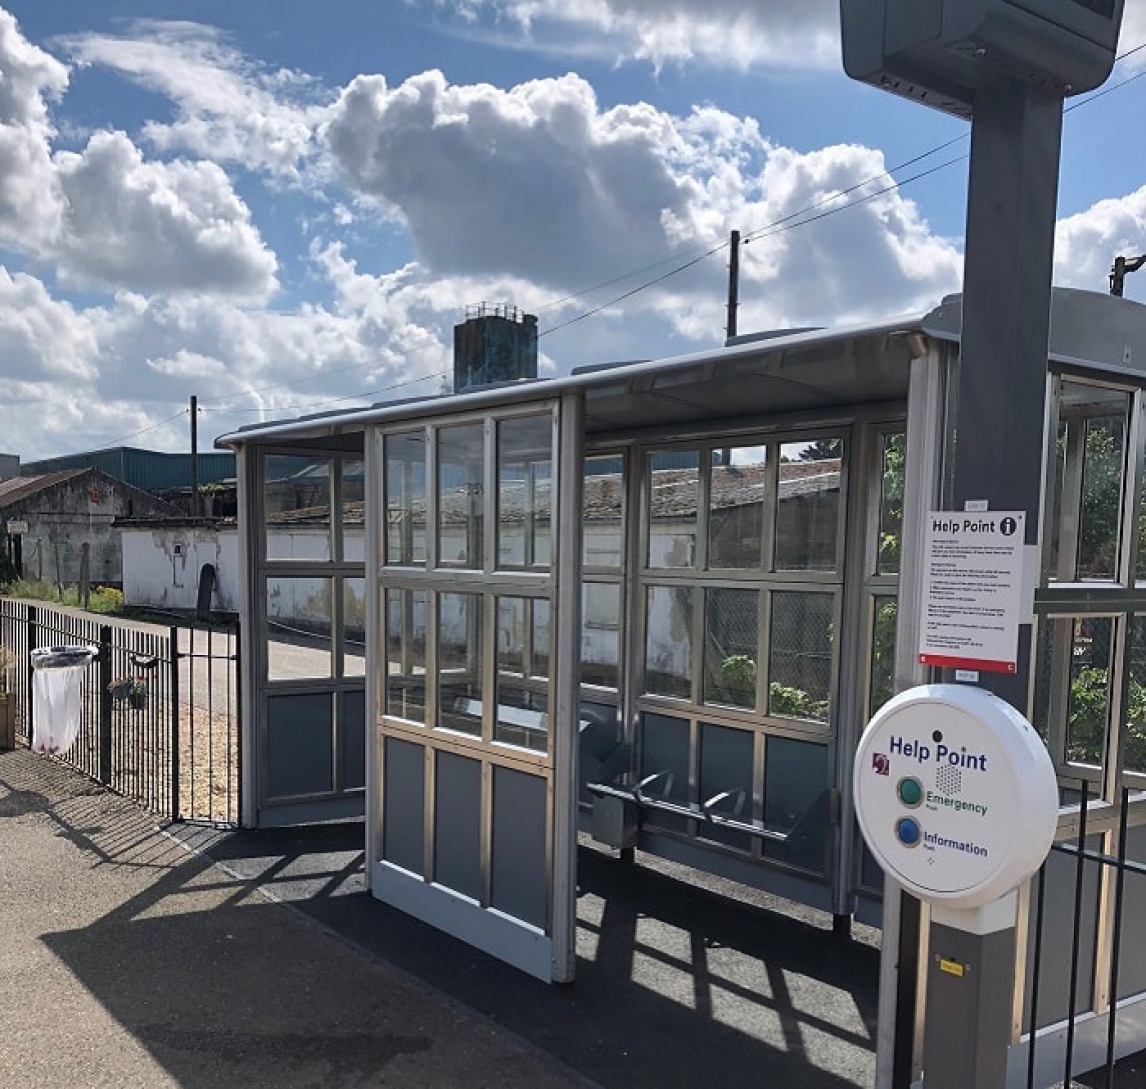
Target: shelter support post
x: 998, y: 465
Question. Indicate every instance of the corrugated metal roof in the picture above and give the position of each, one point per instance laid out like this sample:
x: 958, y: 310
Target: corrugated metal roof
x: 19, y: 488
x: 148, y: 470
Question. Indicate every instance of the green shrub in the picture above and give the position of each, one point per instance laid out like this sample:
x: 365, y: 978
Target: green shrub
x: 106, y: 599
x: 102, y: 599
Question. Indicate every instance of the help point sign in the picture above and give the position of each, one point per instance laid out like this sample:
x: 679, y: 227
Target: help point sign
x: 955, y: 793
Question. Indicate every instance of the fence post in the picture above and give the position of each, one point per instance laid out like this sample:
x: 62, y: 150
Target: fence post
x: 103, y: 672
x: 33, y: 643
x: 237, y: 725
x: 175, y: 713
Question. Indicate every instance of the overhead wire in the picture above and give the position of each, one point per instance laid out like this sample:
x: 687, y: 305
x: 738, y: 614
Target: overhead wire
x: 786, y: 223
x: 135, y: 434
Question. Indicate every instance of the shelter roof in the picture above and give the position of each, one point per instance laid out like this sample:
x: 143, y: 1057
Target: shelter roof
x: 785, y: 372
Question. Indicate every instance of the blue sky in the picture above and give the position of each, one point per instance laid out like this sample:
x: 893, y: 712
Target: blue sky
x: 281, y: 207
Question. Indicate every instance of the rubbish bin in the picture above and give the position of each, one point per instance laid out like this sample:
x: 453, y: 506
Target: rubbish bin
x: 57, y: 673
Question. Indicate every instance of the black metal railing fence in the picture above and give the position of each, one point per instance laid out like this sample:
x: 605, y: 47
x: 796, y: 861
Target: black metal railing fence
x: 1081, y: 974
x: 159, y: 708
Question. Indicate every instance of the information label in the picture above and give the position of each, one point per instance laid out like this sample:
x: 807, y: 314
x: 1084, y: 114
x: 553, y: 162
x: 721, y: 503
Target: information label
x: 955, y: 793
x: 972, y: 590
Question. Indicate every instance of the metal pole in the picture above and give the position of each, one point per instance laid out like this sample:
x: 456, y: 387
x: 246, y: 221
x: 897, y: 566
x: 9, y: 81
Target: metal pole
x: 103, y: 672
x: 998, y: 465
x: 194, y: 457
x: 566, y: 684
x: 176, y: 771
x: 33, y: 643
x: 733, y: 281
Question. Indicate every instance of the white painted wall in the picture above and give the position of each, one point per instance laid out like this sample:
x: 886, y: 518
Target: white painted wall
x: 161, y: 566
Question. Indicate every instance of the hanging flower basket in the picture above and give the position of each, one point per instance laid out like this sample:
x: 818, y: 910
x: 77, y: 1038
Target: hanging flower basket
x: 131, y: 689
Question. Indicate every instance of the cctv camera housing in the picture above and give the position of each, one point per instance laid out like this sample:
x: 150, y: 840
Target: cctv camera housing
x: 942, y: 52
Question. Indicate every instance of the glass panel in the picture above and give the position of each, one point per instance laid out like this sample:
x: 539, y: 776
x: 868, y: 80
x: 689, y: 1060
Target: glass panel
x: 797, y: 801
x: 1102, y: 498
x: 731, y: 646
x: 406, y: 613
x: 882, y: 677
x: 461, y: 460
x: 354, y: 627
x: 800, y: 655
x: 1089, y: 459
x: 539, y: 667
x: 296, y: 504
x: 1088, y: 706
x: 459, y: 662
x: 1134, y: 753
x: 727, y: 768
x: 736, y: 507
x: 668, y: 641
x: 522, y: 708
x: 353, y: 477
x: 354, y: 533
x: 602, y: 511
x: 600, y: 633
x: 674, y: 493
x: 299, y: 627
x: 665, y: 761
x: 511, y: 635
x: 891, y: 504
x: 525, y: 479
x: 808, y: 505
x: 405, y: 482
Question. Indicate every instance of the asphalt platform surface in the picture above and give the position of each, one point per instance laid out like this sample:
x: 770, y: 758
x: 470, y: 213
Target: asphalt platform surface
x: 133, y: 956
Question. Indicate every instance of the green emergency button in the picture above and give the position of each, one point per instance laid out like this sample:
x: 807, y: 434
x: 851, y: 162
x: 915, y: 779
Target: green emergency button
x: 910, y: 791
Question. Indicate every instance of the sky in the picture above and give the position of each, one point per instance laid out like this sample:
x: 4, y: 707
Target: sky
x: 282, y: 207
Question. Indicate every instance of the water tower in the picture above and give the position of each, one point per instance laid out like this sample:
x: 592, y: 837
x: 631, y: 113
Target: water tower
x: 495, y: 343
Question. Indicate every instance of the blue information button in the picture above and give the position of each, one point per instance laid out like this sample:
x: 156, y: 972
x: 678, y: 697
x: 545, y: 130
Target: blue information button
x: 908, y: 832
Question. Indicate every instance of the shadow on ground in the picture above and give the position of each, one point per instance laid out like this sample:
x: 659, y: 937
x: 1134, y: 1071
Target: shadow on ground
x: 676, y: 987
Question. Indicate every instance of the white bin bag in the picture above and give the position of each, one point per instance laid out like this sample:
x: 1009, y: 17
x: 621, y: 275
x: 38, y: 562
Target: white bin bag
x: 57, y: 673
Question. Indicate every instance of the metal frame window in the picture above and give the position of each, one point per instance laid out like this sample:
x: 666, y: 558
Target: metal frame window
x: 309, y: 598
x: 460, y: 659
x: 1088, y: 698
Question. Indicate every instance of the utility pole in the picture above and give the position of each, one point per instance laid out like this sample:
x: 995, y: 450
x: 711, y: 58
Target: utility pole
x: 1123, y: 265
x: 733, y: 281
x: 194, y: 456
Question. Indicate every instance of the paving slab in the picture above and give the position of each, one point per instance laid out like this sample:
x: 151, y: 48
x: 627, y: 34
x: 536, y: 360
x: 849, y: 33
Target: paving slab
x: 128, y: 961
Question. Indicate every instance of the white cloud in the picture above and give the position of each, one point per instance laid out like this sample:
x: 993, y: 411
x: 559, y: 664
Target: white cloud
x: 152, y: 226
x: 229, y: 109
x: 526, y: 195
x: 43, y: 339
x: 1087, y: 243
x: 30, y: 205
x: 724, y: 33
x: 31, y: 77
x: 1133, y: 34
x: 534, y: 182
x: 105, y: 216
x: 538, y: 184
